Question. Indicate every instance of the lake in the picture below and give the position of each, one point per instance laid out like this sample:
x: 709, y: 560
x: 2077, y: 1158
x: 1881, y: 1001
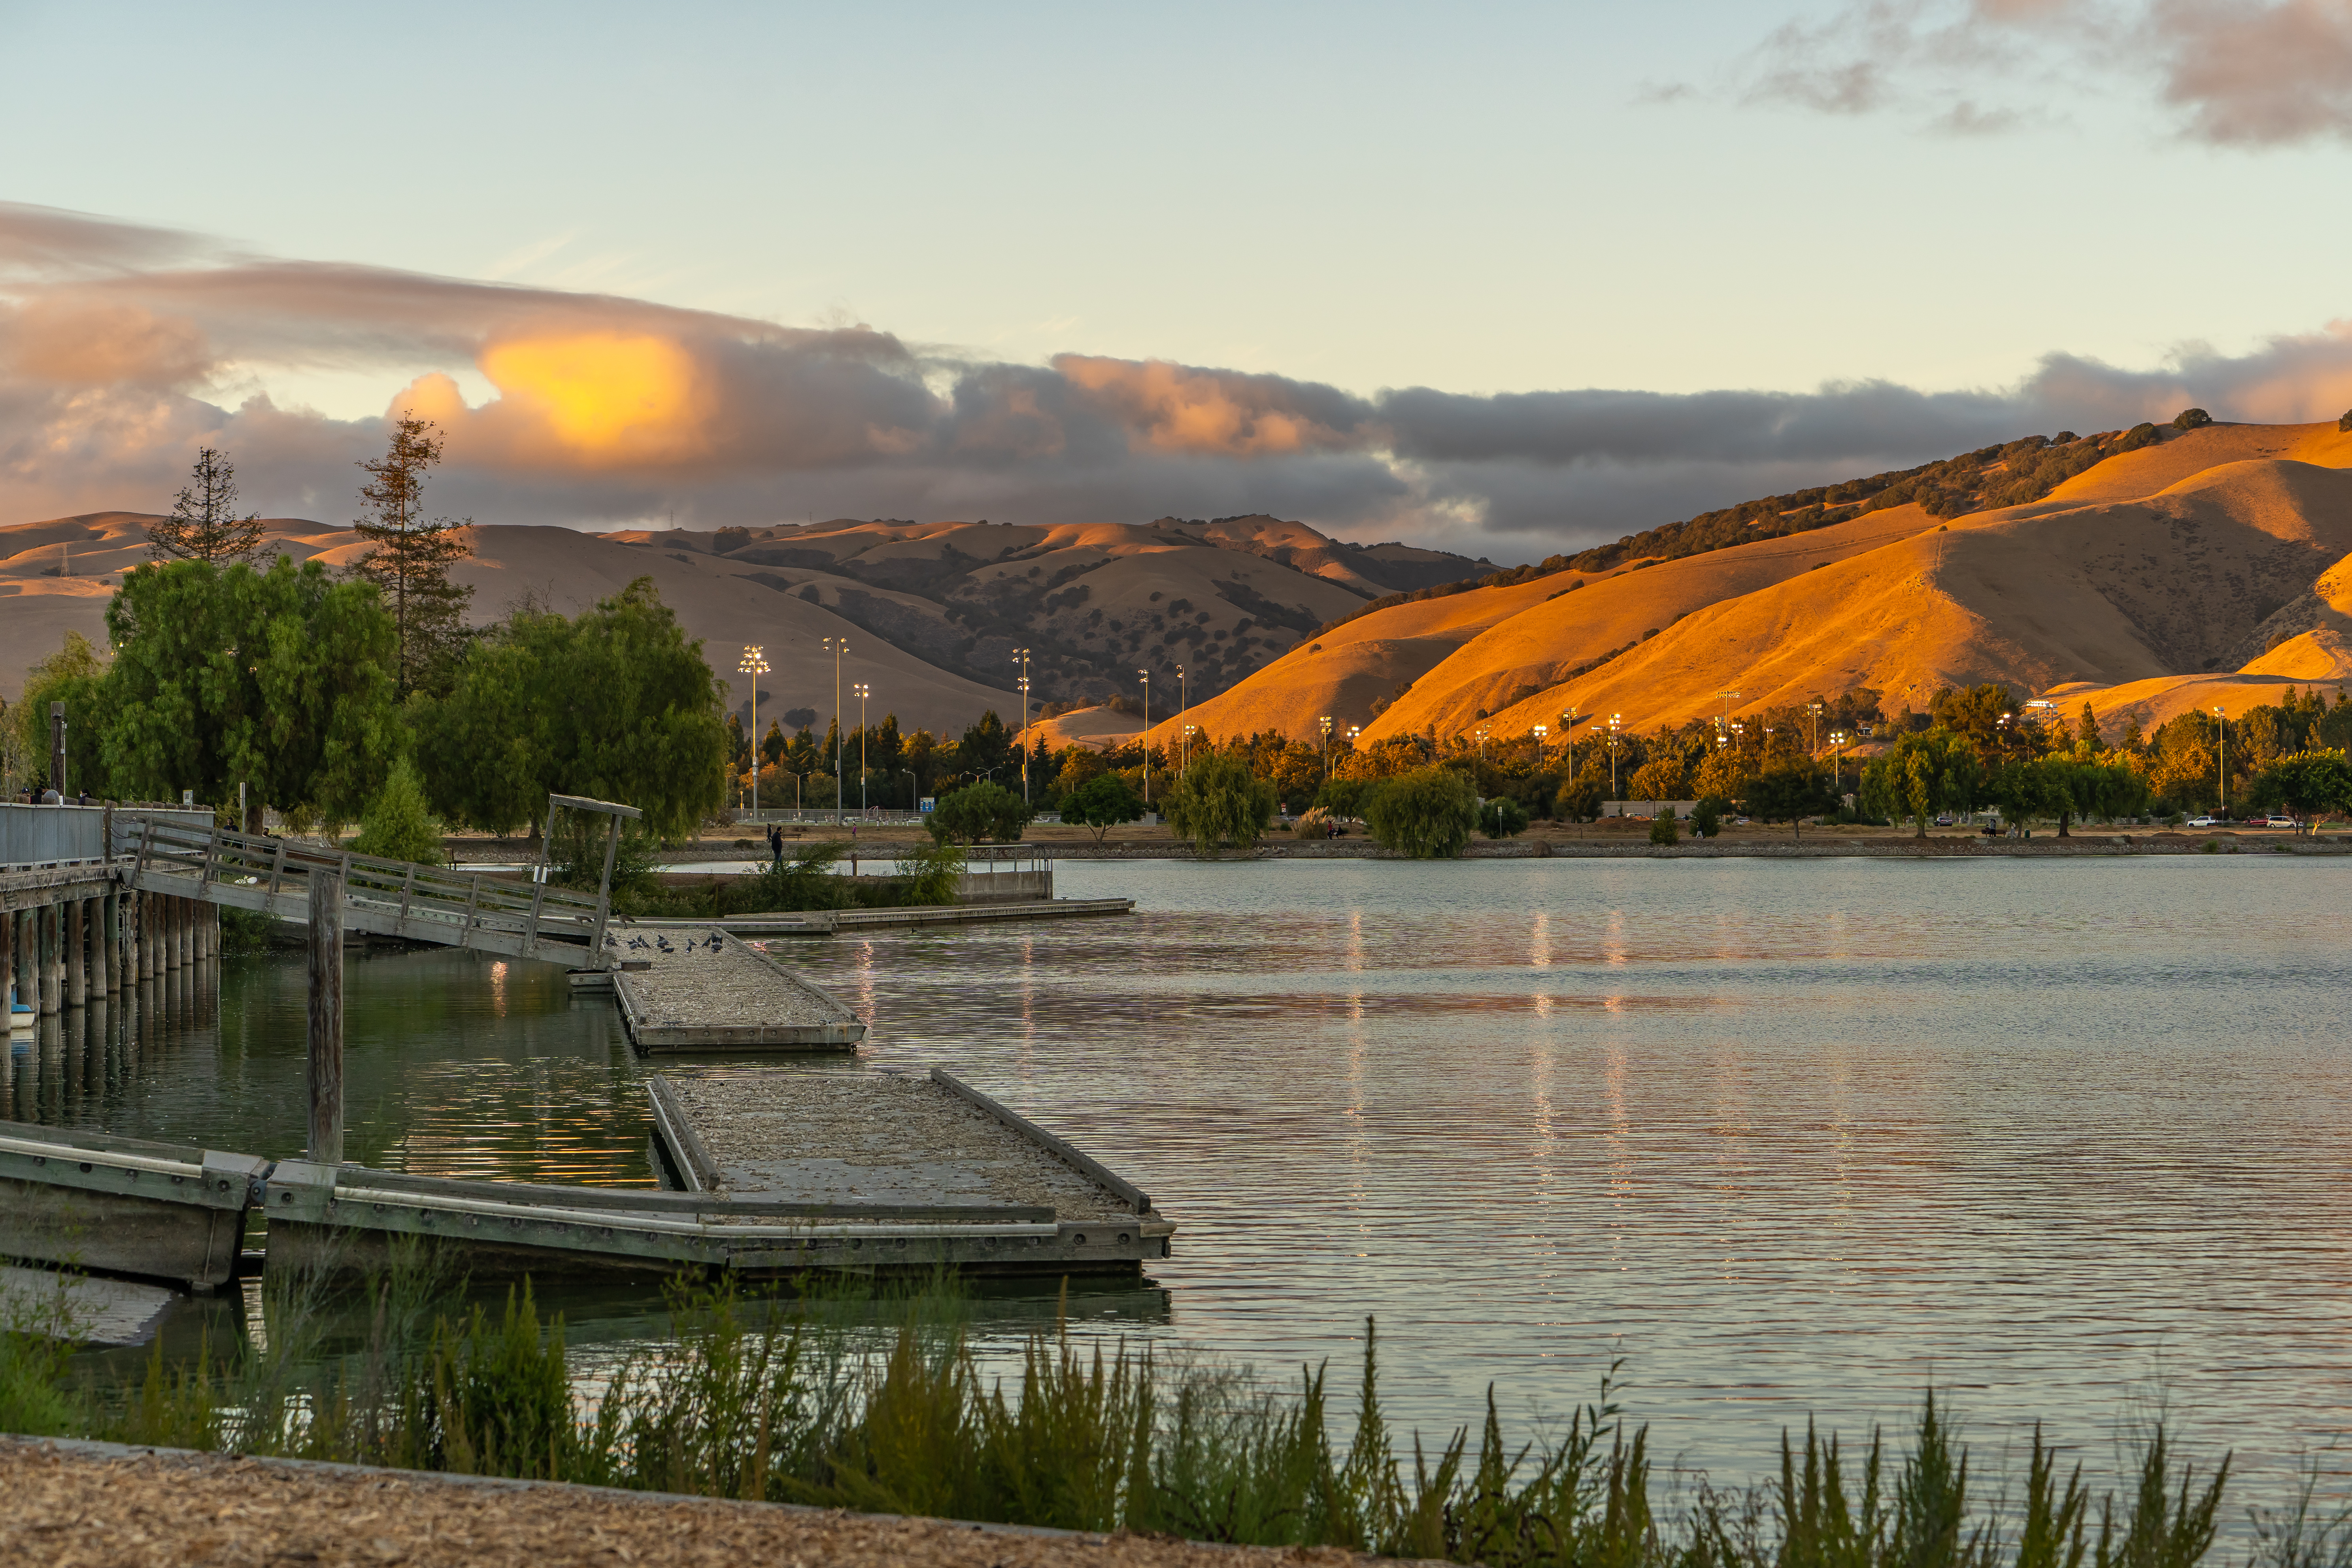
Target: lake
x: 2063, y: 1138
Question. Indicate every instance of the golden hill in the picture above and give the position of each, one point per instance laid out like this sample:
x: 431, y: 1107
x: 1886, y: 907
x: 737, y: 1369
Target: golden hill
x: 2211, y: 567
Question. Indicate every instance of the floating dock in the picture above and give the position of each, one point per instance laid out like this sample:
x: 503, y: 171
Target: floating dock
x: 852, y: 1138
x: 125, y: 1206
x: 833, y: 922
x: 704, y: 989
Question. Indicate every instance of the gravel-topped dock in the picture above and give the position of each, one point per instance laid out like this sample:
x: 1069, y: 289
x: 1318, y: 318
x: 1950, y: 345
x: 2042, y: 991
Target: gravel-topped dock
x: 853, y: 1138
x: 704, y: 989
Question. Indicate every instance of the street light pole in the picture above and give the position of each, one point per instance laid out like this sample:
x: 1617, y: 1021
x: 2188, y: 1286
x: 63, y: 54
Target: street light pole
x: 839, y: 646
x: 2221, y: 757
x: 1183, y: 706
x: 1144, y: 739
x: 1020, y: 739
x: 755, y: 665
x: 863, y: 691
x: 1616, y: 722
x: 1325, y: 723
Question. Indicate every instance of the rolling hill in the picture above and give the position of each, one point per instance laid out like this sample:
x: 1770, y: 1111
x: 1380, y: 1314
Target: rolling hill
x: 931, y: 612
x: 2208, y: 565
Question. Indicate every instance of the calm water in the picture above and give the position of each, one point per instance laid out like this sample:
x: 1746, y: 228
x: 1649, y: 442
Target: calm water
x: 2060, y: 1137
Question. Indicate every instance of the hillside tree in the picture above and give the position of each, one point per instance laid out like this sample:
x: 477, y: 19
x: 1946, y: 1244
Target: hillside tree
x: 409, y: 556
x: 1218, y: 802
x: 204, y: 524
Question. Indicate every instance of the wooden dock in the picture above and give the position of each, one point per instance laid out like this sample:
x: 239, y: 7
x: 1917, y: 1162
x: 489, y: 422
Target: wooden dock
x: 851, y: 1136
x: 123, y: 1205
x: 705, y: 989
x: 833, y: 922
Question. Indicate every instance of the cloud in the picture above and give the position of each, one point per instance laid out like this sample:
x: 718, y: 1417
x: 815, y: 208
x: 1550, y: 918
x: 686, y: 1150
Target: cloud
x: 123, y: 350
x: 2242, y: 73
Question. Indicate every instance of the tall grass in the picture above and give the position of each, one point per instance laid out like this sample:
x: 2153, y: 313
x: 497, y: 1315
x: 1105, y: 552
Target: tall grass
x: 807, y: 1401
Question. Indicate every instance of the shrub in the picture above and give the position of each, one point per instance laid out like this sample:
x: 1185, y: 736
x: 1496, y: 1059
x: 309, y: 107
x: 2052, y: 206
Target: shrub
x: 1706, y: 817
x: 1502, y: 818
x: 1661, y: 828
x: 1344, y: 797
x: 1218, y: 801
x: 985, y: 810
x: 1427, y: 813
x: 932, y: 872
x: 2190, y: 418
x: 2346, y: 422
x: 2140, y: 435
x: 397, y: 826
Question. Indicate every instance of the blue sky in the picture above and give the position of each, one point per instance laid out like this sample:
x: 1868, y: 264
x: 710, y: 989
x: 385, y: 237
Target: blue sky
x: 1670, y: 198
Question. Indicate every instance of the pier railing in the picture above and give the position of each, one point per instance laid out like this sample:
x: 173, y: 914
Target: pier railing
x: 388, y: 898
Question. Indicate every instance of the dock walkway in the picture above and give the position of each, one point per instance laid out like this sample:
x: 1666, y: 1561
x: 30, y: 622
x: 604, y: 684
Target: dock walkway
x: 833, y: 922
x: 857, y: 1138
x: 705, y: 989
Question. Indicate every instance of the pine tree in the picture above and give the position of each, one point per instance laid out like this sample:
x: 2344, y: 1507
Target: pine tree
x: 409, y: 562
x: 204, y: 524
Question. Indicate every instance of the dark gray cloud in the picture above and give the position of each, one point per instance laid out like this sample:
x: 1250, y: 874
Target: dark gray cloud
x: 122, y: 351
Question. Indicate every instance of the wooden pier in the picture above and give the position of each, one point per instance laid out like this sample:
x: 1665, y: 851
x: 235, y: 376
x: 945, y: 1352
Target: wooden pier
x: 704, y: 989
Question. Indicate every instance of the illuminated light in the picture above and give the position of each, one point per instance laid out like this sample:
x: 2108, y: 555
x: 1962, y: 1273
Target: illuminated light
x: 630, y: 395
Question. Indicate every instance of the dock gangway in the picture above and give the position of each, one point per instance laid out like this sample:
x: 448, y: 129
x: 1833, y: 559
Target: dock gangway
x: 156, y: 854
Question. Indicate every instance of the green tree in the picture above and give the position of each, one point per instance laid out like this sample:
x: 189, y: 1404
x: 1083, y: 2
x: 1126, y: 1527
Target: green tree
x: 617, y: 703
x: 1427, y: 813
x: 1578, y: 802
x: 986, y: 810
x: 70, y: 676
x: 204, y: 524
x: 1706, y: 817
x: 986, y: 748
x: 1920, y: 775
x: 2316, y: 783
x: 1725, y: 774
x: 1663, y: 777
x: 1102, y: 803
x: 408, y: 557
x: 1218, y: 801
x: 397, y: 826
x: 280, y: 680
x: 1661, y: 828
x: 1791, y: 794
x: 1502, y: 817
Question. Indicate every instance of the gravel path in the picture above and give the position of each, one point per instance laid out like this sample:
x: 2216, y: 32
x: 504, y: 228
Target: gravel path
x: 875, y: 1137
x: 692, y: 985
x: 164, y: 1510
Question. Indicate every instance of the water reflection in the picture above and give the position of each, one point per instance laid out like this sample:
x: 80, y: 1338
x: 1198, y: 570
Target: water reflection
x: 1787, y: 1138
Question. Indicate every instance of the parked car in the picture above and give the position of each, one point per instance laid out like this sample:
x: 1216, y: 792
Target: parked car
x: 2275, y: 820
x: 1945, y: 820
x: 2205, y: 821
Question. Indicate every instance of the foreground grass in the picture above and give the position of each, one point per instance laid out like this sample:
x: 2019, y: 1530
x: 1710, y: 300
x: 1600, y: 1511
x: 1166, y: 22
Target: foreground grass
x: 799, y: 1402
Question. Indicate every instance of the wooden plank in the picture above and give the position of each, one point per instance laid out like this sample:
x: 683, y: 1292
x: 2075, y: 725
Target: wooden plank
x: 326, y: 1063
x: 1069, y: 1154
x: 687, y: 1150
x: 706, y: 1206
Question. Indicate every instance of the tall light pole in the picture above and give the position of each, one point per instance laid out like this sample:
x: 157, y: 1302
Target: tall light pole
x: 1020, y: 739
x: 1813, y: 734
x: 1568, y: 738
x: 1185, y: 755
x: 1144, y: 739
x: 864, y: 691
x: 2221, y: 757
x: 755, y: 665
x: 1726, y: 698
x: 1837, y: 760
x: 1325, y: 723
x: 1616, y: 723
x: 837, y: 647
x: 1185, y: 706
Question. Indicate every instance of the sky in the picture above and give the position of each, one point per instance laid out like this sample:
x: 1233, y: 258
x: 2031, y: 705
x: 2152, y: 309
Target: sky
x: 1508, y: 280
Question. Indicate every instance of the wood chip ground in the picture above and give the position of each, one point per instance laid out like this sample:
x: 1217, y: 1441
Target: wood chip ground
x: 67, y: 1510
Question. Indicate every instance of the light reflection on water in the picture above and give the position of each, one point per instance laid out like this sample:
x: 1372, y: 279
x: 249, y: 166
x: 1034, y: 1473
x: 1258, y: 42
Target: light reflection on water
x: 1786, y: 1138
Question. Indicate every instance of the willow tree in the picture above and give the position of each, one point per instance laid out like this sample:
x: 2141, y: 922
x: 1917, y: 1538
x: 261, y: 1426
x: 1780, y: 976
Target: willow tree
x: 204, y: 524
x: 409, y: 556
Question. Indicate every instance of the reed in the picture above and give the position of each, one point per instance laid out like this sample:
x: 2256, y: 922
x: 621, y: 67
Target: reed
x: 808, y: 1401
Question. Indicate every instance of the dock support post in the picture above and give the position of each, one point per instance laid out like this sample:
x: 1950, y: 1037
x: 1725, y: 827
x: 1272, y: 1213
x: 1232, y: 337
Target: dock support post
x: 326, y: 1019
x: 102, y: 981
x: 143, y: 922
x: 202, y: 911
x: 7, y: 952
x: 53, y: 958
x: 183, y: 933
x: 76, y: 933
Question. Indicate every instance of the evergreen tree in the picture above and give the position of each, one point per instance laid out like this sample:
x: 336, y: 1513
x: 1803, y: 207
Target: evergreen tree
x: 396, y: 825
x: 204, y: 524
x: 410, y: 556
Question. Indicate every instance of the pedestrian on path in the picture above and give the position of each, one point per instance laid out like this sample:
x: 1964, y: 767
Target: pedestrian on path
x: 776, y: 845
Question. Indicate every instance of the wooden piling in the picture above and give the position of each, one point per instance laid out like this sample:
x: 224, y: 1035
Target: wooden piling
x: 20, y: 970
x: 77, y: 934
x: 53, y: 960
x: 8, y: 955
x: 102, y: 948
x: 326, y: 1020
x: 183, y: 933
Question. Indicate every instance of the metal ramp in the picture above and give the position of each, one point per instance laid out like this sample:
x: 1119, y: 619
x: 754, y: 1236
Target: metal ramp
x: 386, y: 897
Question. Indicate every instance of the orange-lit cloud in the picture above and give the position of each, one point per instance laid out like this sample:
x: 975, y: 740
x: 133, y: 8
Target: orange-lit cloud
x: 1177, y: 409
x: 609, y: 399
